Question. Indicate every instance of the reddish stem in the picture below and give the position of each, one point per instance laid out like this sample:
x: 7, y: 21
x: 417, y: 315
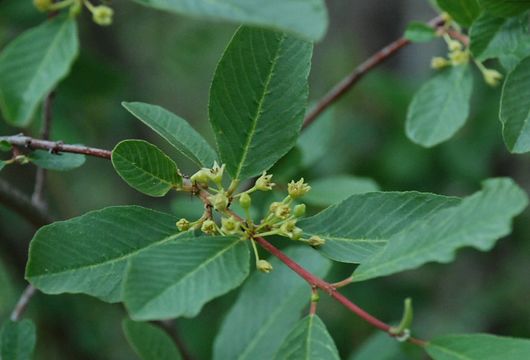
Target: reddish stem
x: 358, y: 73
x: 328, y: 288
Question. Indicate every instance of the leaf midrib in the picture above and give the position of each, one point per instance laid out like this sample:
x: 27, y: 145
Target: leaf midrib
x: 422, y: 250
x: 52, y: 46
x: 259, y: 110
x: 270, y: 320
x: 192, y: 272
x: 162, y: 180
x: 111, y: 261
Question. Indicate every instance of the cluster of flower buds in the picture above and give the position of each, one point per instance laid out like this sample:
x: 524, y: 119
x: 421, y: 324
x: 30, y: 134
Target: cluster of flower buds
x: 458, y: 55
x: 101, y: 14
x: 280, y: 219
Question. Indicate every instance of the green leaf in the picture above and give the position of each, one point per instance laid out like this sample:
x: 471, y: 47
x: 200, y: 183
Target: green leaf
x: 441, y: 106
x: 2, y: 164
x: 361, y: 225
x: 463, y: 11
x: 178, y: 277
x: 380, y: 346
x: 515, y: 108
x: 334, y: 189
x: 175, y: 130
x: 17, y: 340
x: 307, y: 18
x: 33, y: 64
x: 258, y: 98
x: 419, y: 32
x: 145, y: 167
x: 316, y: 140
x: 478, y: 347
x: 308, y: 340
x: 478, y: 221
x: 88, y: 254
x: 5, y: 146
x: 505, y: 8
x: 58, y: 162
x: 149, y: 341
x: 268, y: 306
x: 492, y: 37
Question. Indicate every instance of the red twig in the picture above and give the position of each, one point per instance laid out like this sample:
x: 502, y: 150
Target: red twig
x: 329, y: 289
x: 55, y: 146
x: 314, y: 301
x: 358, y: 73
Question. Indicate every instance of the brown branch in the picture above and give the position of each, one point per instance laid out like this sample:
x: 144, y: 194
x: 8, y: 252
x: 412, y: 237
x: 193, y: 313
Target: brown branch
x: 40, y: 177
x: 20, y: 203
x: 55, y: 147
x: 23, y: 302
x: 358, y: 73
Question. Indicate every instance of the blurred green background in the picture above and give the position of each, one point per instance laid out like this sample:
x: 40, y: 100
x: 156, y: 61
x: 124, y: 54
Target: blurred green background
x: 169, y: 60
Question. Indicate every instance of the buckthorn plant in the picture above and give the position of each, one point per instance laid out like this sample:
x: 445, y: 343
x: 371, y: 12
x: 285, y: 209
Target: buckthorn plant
x: 298, y: 226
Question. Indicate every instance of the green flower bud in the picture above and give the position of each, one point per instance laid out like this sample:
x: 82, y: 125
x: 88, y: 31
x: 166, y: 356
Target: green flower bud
x: 43, y: 5
x: 459, y: 57
x: 438, y: 63
x: 102, y: 15
x: 492, y: 77
x: 245, y: 201
x: 219, y: 201
x: 264, y: 266
x: 282, y: 211
x: 183, y: 225
x: 455, y: 45
x: 316, y: 241
x: 264, y: 182
x: 298, y: 189
x: 200, y: 177
x: 299, y: 210
x: 230, y: 226
x: 208, y: 227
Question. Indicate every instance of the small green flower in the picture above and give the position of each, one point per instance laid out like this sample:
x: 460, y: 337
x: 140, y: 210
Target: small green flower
x: 264, y: 183
x: 264, y: 266
x: 454, y: 45
x: 215, y: 174
x: 102, y: 15
x: 183, y: 225
x: 282, y: 211
x: 439, y: 62
x: 230, y: 226
x: 492, y: 77
x: 296, y: 234
x: 316, y: 241
x: 298, y: 189
x: 219, y: 201
x: 459, y: 57
x: 208, y: 227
